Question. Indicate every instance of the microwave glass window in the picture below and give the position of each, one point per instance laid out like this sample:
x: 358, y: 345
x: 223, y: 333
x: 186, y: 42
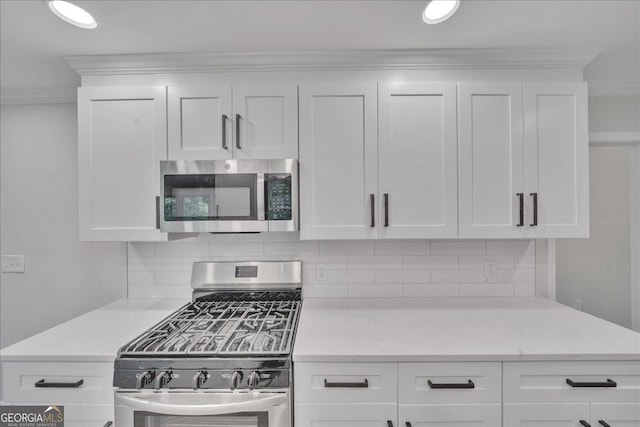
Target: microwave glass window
x: 278, y: 197
x: 244, y: 419
x: 210, y: 197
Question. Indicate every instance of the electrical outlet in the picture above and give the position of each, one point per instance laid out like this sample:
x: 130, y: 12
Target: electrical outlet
x: 578, y: 304
x: 322, y: 273
x: 12, y: 263
x: 490, y: 270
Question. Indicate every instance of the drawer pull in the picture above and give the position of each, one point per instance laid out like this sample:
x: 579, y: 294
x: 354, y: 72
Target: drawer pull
x: 584, y: 423
x: 604, y: 423
x: 466, y: 385
x: 608, y: 383
x: 389, y: 423
x: 363, y: 384
x: 408, y: 424
x: 108, y: 424
x: 43, y: 384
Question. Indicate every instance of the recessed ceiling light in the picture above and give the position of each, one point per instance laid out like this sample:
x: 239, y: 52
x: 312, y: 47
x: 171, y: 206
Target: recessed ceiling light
x: 73, y: 14
x: 436, y: 11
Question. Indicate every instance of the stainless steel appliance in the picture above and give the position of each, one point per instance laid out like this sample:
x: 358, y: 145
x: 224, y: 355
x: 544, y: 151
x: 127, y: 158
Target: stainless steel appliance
x: 222, y: 360
x: 229, y: 196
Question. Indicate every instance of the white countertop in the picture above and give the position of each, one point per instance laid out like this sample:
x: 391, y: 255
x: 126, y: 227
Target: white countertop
x: 95, y: 336
x: 455, y: 329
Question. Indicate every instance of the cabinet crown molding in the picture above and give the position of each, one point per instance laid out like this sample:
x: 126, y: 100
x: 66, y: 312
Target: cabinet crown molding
x: 412, y: 59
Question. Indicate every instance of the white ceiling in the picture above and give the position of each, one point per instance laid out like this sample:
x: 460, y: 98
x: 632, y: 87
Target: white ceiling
x: 33, y: 40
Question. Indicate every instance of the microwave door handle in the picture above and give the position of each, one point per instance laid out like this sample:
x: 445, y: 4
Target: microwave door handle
x: 152, y: 403
x: 261, y: 190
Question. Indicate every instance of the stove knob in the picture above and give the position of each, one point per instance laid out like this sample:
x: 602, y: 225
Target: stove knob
x: 235, y: 379
x: 143, y: 379
x: 163, y: 379
x: 199, y: 379
x: 253, y: 380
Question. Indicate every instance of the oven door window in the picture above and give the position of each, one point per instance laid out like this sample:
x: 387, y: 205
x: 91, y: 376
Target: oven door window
x: 220, y: 197
x: 241, y: 419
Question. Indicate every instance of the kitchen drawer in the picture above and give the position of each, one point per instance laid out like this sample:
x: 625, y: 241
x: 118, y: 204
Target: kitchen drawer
x: 345, y: 415
x: 345, y: 382
x: 19, y: 379
x: 450, y: 415
x: 88, y: 415
x: 615, y: 414
x: 530, y: 382
x: 445, y: 378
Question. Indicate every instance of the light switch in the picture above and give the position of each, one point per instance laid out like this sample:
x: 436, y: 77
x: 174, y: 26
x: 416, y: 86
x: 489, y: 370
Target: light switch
x: 12, y: 263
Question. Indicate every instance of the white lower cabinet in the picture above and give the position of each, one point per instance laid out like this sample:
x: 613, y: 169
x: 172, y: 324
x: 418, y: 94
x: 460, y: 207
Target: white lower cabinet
x: 84, y: 389
x: 346, y: 415
x: 450, y: 415
x: 546, y: 414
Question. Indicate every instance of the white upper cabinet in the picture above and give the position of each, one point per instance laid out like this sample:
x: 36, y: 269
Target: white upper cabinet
x: 243, y: 121
x: 121, y: 139
x: 266, y: 121
x: 338, y: 160
x: 200, y: 122
x: 490, y: 158
x: 523, y: 160
x: 417, y: 160
x: 556, y: 159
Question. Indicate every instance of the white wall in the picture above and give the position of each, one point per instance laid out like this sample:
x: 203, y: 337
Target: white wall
x: 39, y: 218
x: 598, y: 270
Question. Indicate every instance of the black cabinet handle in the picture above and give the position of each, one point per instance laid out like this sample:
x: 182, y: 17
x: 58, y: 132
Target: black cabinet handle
x: 521, y: 220
x: 158, y: 212
x: 43, y: 384
x: 407, y: 424
x: 608, y: 383
x: 108, y: 424
x: 372, y: 200
x: 535, y: 209
x: 389, y: 423
x: 604, y: 423
x: 363, y: 384
x: 584, y: 423
x: 224, y: 131
x: 442, y: 386
x: 386, y: 209
x: 238, y: 117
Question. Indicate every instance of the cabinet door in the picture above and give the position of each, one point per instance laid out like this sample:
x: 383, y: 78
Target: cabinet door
x: 615, y: 414
x: 556, y: 159
x: 265, y: 121
x: 345, y: 415
x: 338, y: 161
x: 546, y: 415
x: 418, y: 160
x: 200, y: 122
x: 450, y: 415
x: 490, y: 160
x: 121, y: 139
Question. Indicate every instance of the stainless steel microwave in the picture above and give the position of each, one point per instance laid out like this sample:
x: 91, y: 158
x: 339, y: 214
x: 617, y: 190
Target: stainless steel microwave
x: 229, y: 196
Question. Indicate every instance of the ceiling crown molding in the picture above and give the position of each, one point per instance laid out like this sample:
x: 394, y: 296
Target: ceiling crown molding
x: 614, y: 87
x: 405, y: 59
x: 38, y: 96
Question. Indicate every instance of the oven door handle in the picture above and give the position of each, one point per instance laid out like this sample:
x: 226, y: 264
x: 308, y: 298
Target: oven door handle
x: 148, y: 403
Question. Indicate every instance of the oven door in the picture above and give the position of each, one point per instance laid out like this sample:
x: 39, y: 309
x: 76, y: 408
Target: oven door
x: 211, y: 409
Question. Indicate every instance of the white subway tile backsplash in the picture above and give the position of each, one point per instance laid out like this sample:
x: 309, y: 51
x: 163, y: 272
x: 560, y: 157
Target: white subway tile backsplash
x: 486, y: 290
x: 458, y: 247
x: 374, y: 290
x: 332, y: 248
x: 431, y: 262
x: 402, y: 248
x: 382, y: 269
x: 430, y: 290
x: 236, y: 249
x: 403, y: 276
x: 375, y: 262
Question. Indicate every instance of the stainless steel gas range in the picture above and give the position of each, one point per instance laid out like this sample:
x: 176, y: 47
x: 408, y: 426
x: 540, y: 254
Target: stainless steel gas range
x: 222, y: 360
